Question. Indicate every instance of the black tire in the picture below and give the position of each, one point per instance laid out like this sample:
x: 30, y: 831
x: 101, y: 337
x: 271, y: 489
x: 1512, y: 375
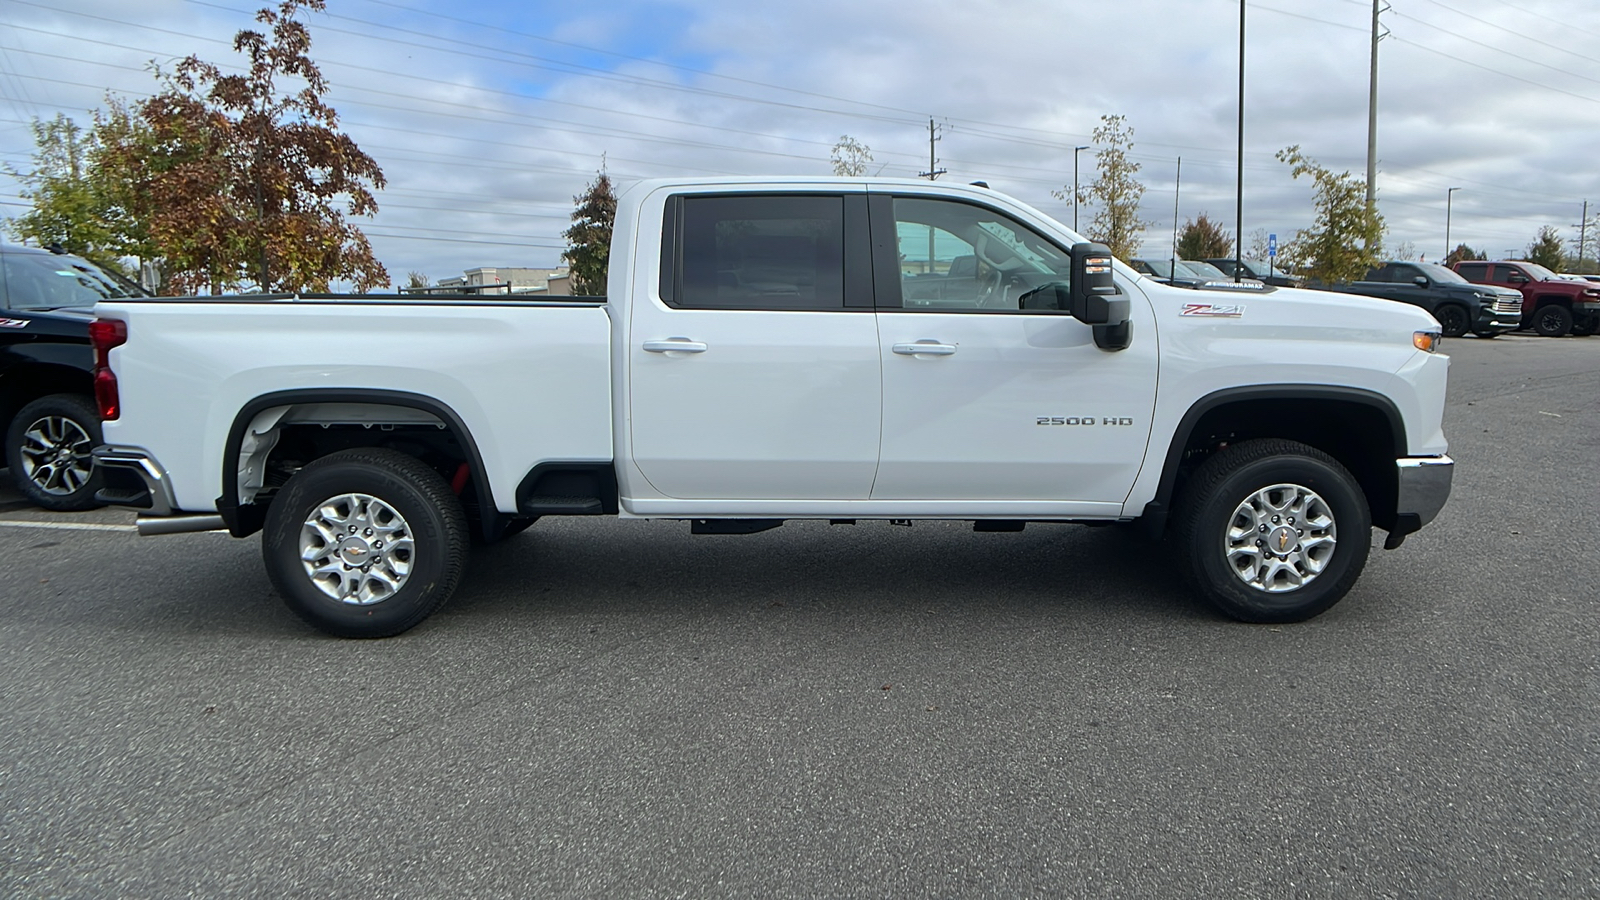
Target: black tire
x: 1586, y: 325
x: 48, y: 450
x: 409, y: 585
x: 1453, y: 320
x: 1552, y: 320
x: 1219, y: 490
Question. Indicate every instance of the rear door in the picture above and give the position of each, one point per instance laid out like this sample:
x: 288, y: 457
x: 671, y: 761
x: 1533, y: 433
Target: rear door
x: 988, y: 394
x: 753, y: 369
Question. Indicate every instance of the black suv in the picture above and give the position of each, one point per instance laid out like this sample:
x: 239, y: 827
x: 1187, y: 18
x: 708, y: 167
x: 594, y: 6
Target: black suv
x: 1459, y: 305
x: 1260, y: 271
x: 47, y: 408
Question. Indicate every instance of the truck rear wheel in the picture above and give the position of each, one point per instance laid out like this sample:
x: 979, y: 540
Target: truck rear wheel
x: 365, y: 542
x: 48, y: 449
x: 1273, y: 531
x: 1453, y: 320
x: 1552, y: 320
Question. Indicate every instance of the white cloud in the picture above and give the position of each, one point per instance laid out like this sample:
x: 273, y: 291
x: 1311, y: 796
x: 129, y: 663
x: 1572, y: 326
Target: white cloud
x: 487, y: 132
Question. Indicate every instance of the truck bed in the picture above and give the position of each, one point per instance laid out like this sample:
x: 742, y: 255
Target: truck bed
x: 530, y: 379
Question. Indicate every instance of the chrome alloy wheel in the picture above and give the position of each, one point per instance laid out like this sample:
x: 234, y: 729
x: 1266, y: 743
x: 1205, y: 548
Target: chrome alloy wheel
x: 1280, y: 538
x: 356, y: 548
x: 56, y: 455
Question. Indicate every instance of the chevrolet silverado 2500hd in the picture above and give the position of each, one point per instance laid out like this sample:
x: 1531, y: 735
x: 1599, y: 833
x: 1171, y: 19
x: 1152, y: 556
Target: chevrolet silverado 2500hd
x: 800, y: 348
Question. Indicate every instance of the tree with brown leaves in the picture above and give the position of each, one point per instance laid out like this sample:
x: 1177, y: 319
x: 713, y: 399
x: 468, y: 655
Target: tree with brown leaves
x: 246, y: 178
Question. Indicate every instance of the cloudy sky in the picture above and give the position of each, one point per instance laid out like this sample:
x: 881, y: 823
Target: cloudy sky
x: 488, y: 117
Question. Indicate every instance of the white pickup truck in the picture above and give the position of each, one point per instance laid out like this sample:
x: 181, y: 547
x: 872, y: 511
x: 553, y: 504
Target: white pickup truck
x: 774, y: 349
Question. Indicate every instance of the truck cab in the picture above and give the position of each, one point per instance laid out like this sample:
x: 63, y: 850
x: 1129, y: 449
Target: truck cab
x: 1551, y: 305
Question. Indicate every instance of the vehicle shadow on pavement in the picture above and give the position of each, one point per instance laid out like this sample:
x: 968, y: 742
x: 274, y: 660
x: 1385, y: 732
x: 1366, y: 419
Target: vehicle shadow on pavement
x: 632, y: 566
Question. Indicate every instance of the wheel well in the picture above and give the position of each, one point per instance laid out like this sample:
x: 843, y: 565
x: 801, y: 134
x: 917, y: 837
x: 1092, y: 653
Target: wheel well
x: 270, y: 442
x: 1360, y: 435
x: 25, y: 384
x: 1544, y: 300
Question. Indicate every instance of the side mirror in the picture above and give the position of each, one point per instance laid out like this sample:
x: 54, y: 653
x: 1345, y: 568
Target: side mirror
x: 1094, y: 300
x: 1093, y: 291
x: 1420, y: 281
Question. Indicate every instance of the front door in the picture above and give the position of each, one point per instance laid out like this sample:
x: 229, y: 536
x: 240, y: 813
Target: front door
x: 988, y: 394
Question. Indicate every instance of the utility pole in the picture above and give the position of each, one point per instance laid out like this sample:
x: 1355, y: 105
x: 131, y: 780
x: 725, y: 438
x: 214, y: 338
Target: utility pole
x: 1177, y: 186
x: 934, y: 171
x: 1448, y: 196
x: 1075, y: 152
x: 1583, y: 233
x: 1372, y: 110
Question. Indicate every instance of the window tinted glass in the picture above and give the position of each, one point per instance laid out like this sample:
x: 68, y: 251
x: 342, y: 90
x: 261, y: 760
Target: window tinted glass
x: 1478, y: 271
x: 1437, y: 273
x: 959, y: 256
x: 762, y: 253
x: 51, y: 281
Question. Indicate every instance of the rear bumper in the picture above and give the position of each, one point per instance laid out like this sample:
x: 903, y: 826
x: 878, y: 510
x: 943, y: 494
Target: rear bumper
x: 135, y: 480
x: 1424, y: 486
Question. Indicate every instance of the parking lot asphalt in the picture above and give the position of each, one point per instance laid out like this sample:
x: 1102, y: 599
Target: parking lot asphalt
x: 616, y: 708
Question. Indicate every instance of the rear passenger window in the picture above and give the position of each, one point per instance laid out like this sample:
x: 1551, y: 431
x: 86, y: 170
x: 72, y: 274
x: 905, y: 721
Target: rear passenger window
x: 1474, y: 271
x: 761, y: 252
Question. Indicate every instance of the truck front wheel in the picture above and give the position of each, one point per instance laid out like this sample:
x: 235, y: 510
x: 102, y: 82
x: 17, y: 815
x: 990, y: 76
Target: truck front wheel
x: 1273, y: 531
x: 1552, y: 320
x: 1453, y: 320
x: 1586, y: 325
x: 365, y: 542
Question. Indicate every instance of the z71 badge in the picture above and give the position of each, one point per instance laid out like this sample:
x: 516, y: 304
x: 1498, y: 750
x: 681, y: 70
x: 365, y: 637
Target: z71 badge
x: 13, y: 323
x: 1230, y: 311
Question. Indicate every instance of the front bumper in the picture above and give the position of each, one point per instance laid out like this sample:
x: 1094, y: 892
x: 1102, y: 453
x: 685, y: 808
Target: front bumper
x: 1423, y: 487
x: 1491, y: 319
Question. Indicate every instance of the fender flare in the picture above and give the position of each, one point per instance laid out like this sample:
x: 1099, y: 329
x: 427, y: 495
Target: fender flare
x: 1155, y: 513
x: 248, y: 518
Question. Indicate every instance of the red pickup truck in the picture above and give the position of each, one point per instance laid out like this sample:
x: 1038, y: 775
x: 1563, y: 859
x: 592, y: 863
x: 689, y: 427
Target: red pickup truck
x: 1551, y: 305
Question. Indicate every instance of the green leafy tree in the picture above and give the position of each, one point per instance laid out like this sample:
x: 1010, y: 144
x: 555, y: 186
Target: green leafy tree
x: 588, y: 250
x: 246, y: 178
x: 69, y: 207
x: 1116, y: 190
x: 1547, y: 249
x: 1347, y: 238
x: 1203, y: 239
x: 1462, y: 251
x: 850, y: 157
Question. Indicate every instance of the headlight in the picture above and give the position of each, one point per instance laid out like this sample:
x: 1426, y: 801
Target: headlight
x: 1426, y: 340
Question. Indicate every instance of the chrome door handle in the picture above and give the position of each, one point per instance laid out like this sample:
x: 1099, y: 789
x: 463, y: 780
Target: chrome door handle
x: 674, y: 345
x: 925, y: 348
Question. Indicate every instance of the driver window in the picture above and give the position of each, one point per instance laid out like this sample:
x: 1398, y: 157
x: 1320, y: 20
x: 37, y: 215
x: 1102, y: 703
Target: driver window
x: 956, y: 256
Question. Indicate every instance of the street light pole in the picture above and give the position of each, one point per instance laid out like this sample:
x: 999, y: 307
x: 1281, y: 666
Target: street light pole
x: 1448, y: 196
x: 1238, y: 211
x: 1075, y: 152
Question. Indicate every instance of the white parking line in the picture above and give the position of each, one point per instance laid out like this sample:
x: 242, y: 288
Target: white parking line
x: 68, y: 526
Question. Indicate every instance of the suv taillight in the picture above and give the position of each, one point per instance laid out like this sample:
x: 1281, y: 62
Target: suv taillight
x: 105, y: 334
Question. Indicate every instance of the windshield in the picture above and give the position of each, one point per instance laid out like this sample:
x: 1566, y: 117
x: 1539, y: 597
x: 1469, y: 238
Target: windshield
x: 53, y: 281
x: 1206, y: 270
x: 1440, y: 273
x: 1540, y: 273
x: 1162, y: 268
